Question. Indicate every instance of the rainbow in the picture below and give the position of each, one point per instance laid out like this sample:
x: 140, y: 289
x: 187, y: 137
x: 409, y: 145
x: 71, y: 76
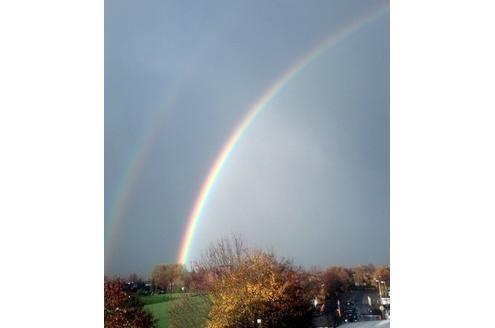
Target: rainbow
x: 133, y: 168
x: 124, y: 189
x: 137, y: 159
x: 251, y: 114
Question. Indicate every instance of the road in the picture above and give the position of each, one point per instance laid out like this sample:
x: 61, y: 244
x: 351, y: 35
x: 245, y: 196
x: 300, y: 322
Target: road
x: 368, y: 324
x: 360, y: 300
x: 321, y: 323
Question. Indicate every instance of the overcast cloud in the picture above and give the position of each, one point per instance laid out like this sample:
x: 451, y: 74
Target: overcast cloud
x: 310, y: 177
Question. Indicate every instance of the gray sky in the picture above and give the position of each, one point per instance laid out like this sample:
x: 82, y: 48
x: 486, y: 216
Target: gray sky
x: 309, y: 178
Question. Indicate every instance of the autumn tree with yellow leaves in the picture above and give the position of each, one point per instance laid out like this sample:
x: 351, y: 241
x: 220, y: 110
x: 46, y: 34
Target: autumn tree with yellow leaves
x: 260, y: 286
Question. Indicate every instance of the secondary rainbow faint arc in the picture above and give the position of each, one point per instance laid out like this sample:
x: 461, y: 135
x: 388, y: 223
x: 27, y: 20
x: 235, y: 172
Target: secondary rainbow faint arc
x: 131, y: 172
x: 255, y: 109
x: 138, y: 158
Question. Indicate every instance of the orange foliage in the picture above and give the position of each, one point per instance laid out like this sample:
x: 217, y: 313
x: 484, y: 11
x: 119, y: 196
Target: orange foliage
x: 260, y: 287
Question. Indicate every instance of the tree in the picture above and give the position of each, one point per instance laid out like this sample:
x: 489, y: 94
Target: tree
x: 225, y: 253
x: 200, y: 280
x: 362, y: 275
x: 382, y: 279
x: 123, y: 309
x: 336, y: 280
x: 134, y: 278
x: 220, y: 257
x: 168, y: 276
x: 382, y: 274
x: 313, y: 283
x: 260, y: 287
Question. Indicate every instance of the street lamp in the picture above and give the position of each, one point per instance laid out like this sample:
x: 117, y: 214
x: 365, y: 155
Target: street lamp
x: 379, y: 288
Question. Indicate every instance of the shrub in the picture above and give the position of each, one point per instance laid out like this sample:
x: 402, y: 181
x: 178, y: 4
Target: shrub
x: 122, y: 309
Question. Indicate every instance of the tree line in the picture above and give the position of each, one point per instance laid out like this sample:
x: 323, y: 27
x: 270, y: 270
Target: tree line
x: 243, y: 285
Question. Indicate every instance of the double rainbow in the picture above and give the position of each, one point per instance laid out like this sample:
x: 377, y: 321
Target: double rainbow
x: 255, y: 109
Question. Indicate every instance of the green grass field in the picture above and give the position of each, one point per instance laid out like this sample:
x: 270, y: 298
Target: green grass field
x: 160, y: 298
x: 159, y: 306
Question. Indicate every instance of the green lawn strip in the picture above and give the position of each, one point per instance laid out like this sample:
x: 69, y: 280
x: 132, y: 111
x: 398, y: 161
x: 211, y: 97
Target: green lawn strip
x: 160, y: 312
x: 153, y: 299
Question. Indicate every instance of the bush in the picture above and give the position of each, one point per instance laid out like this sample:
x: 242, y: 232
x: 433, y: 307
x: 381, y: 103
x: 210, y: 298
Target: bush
x: 123, y: 309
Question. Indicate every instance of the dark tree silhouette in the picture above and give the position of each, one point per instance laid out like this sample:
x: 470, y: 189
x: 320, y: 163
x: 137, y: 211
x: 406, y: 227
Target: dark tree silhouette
x: 122, y: 309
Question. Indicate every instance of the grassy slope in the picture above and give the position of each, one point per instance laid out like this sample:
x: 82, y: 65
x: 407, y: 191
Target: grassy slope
x: 159, y: 305
x: 160, y: 312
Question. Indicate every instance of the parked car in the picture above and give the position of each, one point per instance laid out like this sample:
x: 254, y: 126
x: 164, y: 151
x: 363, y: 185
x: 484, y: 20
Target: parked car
x: 349, y: 313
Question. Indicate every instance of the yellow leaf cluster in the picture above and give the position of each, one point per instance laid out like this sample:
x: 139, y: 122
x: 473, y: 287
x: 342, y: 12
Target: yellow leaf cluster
x: 259, y: 287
